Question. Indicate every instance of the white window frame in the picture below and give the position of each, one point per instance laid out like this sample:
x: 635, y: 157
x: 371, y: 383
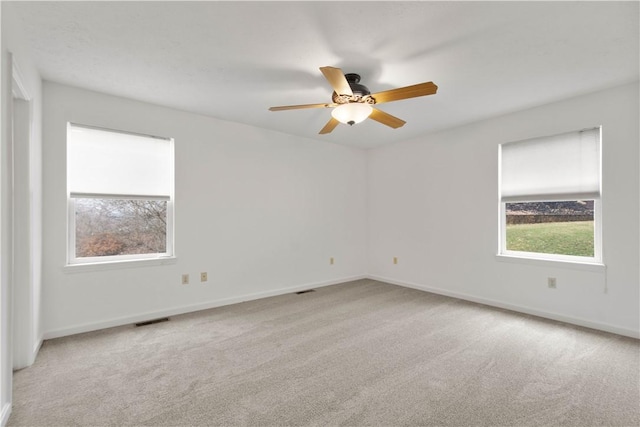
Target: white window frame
x: 72, y: 260
x: 597, y: 221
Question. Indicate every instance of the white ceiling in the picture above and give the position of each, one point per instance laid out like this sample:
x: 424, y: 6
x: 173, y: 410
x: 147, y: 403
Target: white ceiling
x: 233, y: 60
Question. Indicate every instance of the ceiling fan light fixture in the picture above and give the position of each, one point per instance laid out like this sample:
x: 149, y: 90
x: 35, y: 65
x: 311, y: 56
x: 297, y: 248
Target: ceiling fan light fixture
x: 352, y: 113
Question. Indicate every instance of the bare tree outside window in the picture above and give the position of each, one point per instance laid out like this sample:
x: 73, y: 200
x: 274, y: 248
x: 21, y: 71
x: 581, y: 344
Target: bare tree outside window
x: 107, y: 227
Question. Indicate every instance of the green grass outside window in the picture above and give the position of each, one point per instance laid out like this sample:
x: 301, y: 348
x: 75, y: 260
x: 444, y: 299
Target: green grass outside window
x: 561, y: 238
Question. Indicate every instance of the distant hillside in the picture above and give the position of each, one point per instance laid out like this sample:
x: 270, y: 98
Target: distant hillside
x: 551, y: 208
x: 543, y: 212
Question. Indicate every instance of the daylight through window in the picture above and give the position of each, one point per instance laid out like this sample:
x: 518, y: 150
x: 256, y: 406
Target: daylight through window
x: 120, y: 188
x: 550, y: 197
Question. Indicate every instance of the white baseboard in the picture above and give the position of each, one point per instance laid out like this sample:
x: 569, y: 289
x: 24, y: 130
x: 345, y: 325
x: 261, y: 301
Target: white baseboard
x: 4, y: 414
x: 29, y: 358
x: 514, y: 307
x: 126, y: 320
x: 36, y: 349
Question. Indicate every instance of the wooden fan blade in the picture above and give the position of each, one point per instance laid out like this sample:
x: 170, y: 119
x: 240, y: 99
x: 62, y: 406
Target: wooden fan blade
x: 298, y: 107
x: 421, y: 89
x: 331, y: 125
x: 386, y: 119
x: 337, y: 80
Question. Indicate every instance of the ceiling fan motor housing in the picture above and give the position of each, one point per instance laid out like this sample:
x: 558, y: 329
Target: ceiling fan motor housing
x: 354, y: 82
x: 361, y: 93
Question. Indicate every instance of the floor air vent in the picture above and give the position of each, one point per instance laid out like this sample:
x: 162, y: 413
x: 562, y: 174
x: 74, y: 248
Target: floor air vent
x: 151, y: 322
x: 305, y: 292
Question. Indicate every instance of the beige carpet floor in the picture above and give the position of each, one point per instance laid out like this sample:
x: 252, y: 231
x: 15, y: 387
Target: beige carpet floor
x: 361, y: 353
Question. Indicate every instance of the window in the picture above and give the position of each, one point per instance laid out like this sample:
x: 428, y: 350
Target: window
x: 120, y: 193
x: 550, y: 197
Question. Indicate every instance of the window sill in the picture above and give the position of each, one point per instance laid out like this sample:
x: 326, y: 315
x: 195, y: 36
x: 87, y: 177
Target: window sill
x: 574, y: 265
x: 117, y: 265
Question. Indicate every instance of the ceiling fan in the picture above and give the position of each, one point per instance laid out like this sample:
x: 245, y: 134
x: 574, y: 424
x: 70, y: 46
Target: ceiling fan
x: 352, y: 101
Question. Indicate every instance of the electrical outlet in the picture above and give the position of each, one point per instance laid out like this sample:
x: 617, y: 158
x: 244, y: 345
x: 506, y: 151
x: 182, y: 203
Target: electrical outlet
x: 185, y: 279
x: 331, y: 260
x: 203, y: 277
x: 395, y: 259
x: 551, y: 282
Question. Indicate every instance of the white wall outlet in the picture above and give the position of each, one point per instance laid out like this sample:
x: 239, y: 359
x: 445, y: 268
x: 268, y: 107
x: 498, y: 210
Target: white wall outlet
x: 203, y: 277
x: 551, y: 282
x: 185, y: 279
x: 331, y: 261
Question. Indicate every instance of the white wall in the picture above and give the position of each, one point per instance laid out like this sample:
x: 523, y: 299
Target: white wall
x: 258, y: 210
x: 433, y: 203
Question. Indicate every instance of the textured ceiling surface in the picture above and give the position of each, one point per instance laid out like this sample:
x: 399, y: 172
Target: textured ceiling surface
x: 233, y: 60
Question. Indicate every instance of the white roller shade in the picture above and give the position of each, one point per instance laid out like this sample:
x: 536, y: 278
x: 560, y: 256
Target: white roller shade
x: 561, y: 167
x: 114, y: 163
